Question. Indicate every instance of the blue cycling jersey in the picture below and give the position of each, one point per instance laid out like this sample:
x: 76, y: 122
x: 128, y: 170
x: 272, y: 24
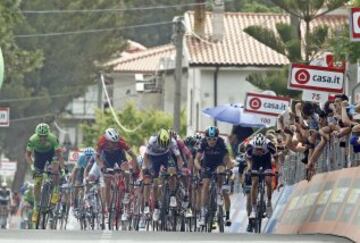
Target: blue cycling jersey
x: 84, y: 160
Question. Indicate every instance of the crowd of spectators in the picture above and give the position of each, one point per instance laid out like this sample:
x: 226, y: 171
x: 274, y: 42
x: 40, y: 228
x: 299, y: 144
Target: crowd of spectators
x: 308, y: 128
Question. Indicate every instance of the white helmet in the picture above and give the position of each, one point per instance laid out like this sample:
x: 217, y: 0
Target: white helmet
x: 4, y: 184
x: 259, y: 140
x: 112, y: 135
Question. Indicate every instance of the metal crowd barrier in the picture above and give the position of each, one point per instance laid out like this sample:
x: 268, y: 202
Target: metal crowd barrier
x: 332, y: 158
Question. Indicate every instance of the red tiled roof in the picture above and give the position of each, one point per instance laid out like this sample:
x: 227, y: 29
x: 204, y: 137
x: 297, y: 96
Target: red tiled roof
x: 238, y: 48
x: 143, y: 61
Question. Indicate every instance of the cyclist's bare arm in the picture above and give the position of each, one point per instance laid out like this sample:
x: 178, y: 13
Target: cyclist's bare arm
x: 60, y: 158
x: 228, y: 162
x: 28, y: 157
x: 134, y: 165
x: 179, y: 161
x: 197, y: 161
x: 73, y: 173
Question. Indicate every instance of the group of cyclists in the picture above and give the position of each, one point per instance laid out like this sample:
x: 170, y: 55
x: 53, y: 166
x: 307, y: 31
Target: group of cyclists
x: 201, y: 155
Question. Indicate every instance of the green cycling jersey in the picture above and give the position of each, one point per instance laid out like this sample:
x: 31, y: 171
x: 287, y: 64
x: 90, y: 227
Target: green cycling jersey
x: 51, y: 143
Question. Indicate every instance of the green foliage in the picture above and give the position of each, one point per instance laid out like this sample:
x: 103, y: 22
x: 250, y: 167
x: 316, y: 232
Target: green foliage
x: 255, y: 6
x: 343, y: 48
x: 308, y: 9
x: 266, y: 37
x: 287, y: 40
x: 274, y: 80
x: 146, y: 122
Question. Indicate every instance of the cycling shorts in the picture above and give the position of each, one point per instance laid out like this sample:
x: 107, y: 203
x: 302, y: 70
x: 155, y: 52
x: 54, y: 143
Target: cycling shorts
x: 207, y: 171
x: 113, y: 157
x: 40, y: 159
x: 156, y: 162
x: 263, y: 161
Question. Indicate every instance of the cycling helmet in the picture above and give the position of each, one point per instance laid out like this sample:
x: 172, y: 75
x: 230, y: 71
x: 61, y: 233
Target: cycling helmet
x: 190, y: 141
x: 89, y: 152
x: 3, y: 184
x: 212, y: 132
x: 198, y: 136
x: 259, y: 141
x: 163, y: 138
x: 42, y: 129
x: 112, y: 135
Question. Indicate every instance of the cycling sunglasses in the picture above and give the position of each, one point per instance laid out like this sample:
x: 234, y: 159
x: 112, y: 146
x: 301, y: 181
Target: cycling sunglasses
x: 211, y: 138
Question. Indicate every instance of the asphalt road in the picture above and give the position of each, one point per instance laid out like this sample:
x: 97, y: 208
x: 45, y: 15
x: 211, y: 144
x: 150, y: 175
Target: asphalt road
x: 36, y: 236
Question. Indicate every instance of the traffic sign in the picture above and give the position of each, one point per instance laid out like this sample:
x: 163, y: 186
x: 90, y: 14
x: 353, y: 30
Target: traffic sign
x: 316, y: 78
x: 267, y: 105
x: 355, y: 24
x: 4, y: 116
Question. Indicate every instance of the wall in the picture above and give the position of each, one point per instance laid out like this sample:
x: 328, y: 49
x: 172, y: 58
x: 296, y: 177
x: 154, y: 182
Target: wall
x: 124, y: 90
x: 232, y: 87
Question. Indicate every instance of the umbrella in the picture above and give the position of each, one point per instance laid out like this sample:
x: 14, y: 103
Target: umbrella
x: 233, y: 114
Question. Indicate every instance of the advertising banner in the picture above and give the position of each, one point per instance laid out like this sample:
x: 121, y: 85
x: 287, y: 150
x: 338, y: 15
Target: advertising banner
x: 268, y: 105
x: 316, y: 78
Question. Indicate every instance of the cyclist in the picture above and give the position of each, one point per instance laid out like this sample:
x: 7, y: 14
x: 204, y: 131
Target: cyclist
x: 77, y: 175
x: 43, y: 145
x: 158, y: 154
x: 215, y: 157
x: 5, y: 202
x: 27, y: 205
x: 259, y: 152
x: 188, y: 160
x: 111, y: 151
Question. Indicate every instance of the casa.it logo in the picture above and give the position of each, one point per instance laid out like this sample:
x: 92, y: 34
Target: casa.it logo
x: 255, y: 103
x: 302, y: 76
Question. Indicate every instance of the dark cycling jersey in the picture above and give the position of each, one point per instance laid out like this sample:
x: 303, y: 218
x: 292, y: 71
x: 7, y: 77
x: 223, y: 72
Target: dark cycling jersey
x: 263, y: 160
x: 213, y: 155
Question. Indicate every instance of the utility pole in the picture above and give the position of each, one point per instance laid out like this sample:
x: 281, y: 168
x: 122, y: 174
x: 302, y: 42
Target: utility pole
x: 178, y: 36
x: 100, y: 94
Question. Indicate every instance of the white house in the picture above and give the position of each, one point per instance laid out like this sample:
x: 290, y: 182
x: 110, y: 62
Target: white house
x: 146, y: 78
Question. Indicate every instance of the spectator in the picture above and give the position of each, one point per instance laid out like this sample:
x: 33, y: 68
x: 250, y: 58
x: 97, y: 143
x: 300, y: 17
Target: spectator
x: 238, y: 135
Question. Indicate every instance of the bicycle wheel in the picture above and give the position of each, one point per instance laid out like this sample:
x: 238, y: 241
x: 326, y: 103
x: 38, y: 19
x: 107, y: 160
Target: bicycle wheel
x: 112, y: 210
x: 45, y: 204
x: 220, y: 219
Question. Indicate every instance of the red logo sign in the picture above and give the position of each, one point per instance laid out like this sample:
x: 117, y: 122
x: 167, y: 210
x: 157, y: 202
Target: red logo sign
x: 255, y: 103
x: 355, y: 24
x: 302, y: 76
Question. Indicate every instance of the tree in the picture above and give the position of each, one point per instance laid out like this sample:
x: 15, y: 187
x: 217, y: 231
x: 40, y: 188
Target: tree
x: 255, y: 6
x: 68, y: 63
x: 307, y: 11
x: 19, y: 63
x: 341, y: 45
x: 146, y: 124
x: 289, y: 41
